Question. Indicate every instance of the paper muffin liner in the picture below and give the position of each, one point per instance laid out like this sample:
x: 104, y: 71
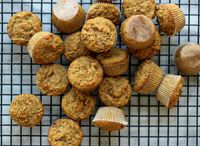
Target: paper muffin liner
x: 170, y: 90
x: 71, y: 25
x: 110, y: 118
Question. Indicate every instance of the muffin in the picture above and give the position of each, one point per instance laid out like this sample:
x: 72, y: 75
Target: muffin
x: 65, y: 132
x: 78, y: 105
x: 52, y: 79
x: 148, y: 77
x: 138, y: 32
x: 110, y: 119
x: 170, y: 90
x: 148, y: 52
x: 26, y: 110
x: 85, y: 73
x: 171, y: 18
x: 108, y: 11
x: 139, y: 7
x: 115, y: 91
x: 22, y: 26
x: 115, y: 62
x: 45, y: 47
x: 74, y: 47
x: 99, y: 34
x: 68, y: 16
x: 187, y: 59
x: 105, y: 1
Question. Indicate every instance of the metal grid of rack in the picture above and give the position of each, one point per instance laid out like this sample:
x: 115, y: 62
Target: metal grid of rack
x: 150, y: 123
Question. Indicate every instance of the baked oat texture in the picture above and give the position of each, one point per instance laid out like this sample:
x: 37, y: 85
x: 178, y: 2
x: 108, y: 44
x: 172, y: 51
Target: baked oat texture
x: 78, y: 105
x: 65, y: 132
x: 52, y: 79
x: 22, y: 26
x: 26, y: 110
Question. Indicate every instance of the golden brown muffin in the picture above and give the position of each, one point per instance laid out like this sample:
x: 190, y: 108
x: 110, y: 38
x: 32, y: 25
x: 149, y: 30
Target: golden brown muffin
x: 139, y: 7
x: 148, y: 77
x: 138, y: 32
x: 108, y: 11
x: 115, y: 62
x: 74, y: 47
x: 26, y: 110
x: 171, y: 18
x: 85, y: 73
x: 170, y: 90
x: 22, y: 26
x: 68, y: 16
x: 52, y: 79
x: 187, y: 59
x: 110, y: 119
x: 115, y: 91
x: 78, y: 105
x: 65, y: 132
x: 45, y: 47
x: 99, y: 34
x: 149, y: 51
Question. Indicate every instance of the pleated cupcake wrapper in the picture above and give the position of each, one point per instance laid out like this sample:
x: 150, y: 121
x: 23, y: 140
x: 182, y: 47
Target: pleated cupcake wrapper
x: 167, y: 89
x: 71, y: 25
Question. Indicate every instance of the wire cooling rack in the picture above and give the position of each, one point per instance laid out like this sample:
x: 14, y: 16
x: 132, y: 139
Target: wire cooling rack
x: 150, y: 124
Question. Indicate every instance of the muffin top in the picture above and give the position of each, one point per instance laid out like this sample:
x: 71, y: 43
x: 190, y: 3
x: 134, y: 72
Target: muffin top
x: 22, y: 26
x: 139, y: 7
x: 78, y: 105
x: 26, y: 110
x: 108, y: 11
x: 65, y: 132
x: 115, y: 91
x: 85, y: 73
x: 99, y: 34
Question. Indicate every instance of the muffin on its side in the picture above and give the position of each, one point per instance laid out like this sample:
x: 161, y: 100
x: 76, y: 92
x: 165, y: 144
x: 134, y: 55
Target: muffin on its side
x: 85, y: 73
x: 171, y: 18
x: 110, y: 119
x: 78, y: 105
x: 108, y: 11
x: 74, y: 47
x: 99, y: 34
x: 22, y: 26
x: 65, y: 132
x: 52, y: 79
x: 114, y: 62
x: 139, y: 7
x: 45, y: 47
x: 26, y: 110
x: 148, y: 77
x: 170, y: 90
x: 115, y: 91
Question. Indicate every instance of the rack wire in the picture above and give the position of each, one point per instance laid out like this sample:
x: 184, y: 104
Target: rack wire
x: 150, y: 123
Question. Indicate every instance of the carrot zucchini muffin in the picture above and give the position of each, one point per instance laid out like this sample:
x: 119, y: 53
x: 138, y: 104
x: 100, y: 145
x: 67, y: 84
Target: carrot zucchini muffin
x: 171, y: 18
x: 22, y: 26
x: 65, y: 132
x: 85, y: 73
x: 78, y: 105
x: 52, y: 79
x: 139, y: 7
x: 108, y: 11
x: 110, y: 119
x: 26, y: 110
x: 45, y: 47
x: 68, y: 16
x: 74, y: 47
x: 170, y: 90
x: 99, y: 34
x: 148, y: 77
x: 138, y: 32
x: 115, y: 91
x: 187, y: 59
